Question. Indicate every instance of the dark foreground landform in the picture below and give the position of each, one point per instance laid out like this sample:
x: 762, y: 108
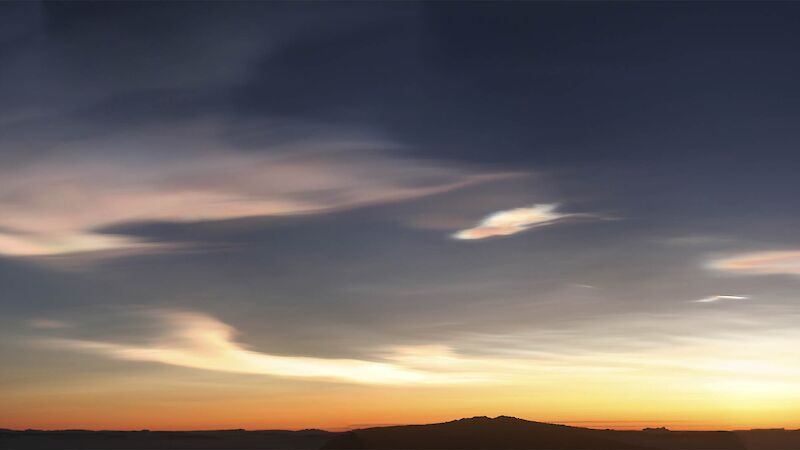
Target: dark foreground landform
x: 158, y: 440
x: 475, y: 433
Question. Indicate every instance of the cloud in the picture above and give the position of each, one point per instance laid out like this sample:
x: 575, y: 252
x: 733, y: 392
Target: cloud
x: 25, y: 244
x: 48, y: 324
x: 512, y: 221
x: 60, y: 204
x: 200, y: 341
x: 718, y: 298
x: 781, y: 262
x: 694, y: 240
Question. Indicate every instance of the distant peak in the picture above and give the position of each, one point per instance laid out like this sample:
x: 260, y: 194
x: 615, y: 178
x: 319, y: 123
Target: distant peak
x: 656, y: 430
x: 502, y: 419
x: 491, y: 418
x: 473, y: 419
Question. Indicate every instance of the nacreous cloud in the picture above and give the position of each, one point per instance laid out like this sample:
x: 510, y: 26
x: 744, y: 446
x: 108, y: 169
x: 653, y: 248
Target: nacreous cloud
x: 60, y: 204
x: 202, y: 342
x: 785, y: 262
x: 512, y: 221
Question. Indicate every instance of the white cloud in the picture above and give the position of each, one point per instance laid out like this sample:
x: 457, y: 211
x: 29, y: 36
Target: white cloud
x: 512, y: 221
x: 719, y: 298
x: 779, y: 262
x: 203, y: 342
x: 56, y: 205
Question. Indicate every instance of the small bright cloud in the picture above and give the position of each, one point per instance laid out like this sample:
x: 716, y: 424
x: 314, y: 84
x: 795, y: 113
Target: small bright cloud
x: 783, y: 262
x: 719, y: 298
x: 512, y: 221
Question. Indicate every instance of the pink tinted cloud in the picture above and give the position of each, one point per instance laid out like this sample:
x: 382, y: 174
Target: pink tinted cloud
x: 777, y: 262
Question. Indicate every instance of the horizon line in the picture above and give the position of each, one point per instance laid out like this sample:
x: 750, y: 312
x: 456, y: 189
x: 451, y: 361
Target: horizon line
x: 641, y: 425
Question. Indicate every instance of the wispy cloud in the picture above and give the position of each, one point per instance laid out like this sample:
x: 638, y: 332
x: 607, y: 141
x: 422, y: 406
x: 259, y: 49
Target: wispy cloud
x: 780, y: 262
x: 48, y: 324
x: 719, y: 298
x: 60, y: 205
x: 202, y: 342
x: 198, y: 341
x: 513, y: 221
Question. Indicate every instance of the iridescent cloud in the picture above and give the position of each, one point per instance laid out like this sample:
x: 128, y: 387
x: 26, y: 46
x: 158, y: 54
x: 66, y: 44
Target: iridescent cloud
x: 779, y: 262
x: 61, y: 205
x: 512, y: 221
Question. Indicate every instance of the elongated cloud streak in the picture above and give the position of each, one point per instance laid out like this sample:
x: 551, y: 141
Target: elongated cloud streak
x: 202, y: 342
x: 512, y: 221
x: 719, y: 298
x: 198, y: 341
x: 61, y: 204
x: 785, y: 262
x: 48, y: 324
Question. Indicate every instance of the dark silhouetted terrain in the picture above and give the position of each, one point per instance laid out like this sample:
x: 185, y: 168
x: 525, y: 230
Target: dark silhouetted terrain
x: 474, y: 433
x: 151, y: 440
x: 512, y: 433
x: 477, y: 432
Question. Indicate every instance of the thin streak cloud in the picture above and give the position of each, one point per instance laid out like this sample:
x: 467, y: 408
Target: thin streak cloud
x: 720, y: 298
x: 48, y: 324
x: 513, y: 221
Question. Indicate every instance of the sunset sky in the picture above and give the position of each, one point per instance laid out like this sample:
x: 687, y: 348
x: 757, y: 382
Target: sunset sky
x: 333, y: 215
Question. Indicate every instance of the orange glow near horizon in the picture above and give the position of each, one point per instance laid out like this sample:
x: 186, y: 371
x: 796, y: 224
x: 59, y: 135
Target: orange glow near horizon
x: 196, y: 375
x: 199, y: 420
x: 210, y: 405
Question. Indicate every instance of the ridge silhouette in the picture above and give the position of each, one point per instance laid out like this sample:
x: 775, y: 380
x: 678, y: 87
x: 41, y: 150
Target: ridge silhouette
x: 506, y: 432
x: 502, y: 432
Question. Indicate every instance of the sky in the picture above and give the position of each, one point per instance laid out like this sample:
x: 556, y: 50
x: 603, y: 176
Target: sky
x: 292, y: 215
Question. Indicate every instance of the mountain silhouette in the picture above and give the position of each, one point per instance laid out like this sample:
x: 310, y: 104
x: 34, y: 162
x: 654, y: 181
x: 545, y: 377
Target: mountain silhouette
x: 512, y: 433
x: 478, y: 432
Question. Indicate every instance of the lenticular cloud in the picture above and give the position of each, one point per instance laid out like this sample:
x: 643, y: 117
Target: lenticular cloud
x: 512, y: 221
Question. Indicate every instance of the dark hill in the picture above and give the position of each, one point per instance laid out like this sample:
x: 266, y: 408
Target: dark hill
x: 512, y: 433
x: 479, y: 433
